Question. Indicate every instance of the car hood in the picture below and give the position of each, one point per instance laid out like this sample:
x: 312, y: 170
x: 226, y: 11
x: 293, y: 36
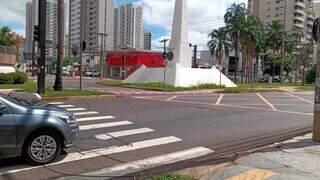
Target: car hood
x: 47, y: 109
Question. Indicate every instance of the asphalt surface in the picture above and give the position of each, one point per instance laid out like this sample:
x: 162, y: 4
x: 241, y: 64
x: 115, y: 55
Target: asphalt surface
x: 137, y: 131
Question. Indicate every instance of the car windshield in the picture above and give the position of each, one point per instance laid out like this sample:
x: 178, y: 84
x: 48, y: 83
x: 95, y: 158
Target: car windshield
x: 16, y: 100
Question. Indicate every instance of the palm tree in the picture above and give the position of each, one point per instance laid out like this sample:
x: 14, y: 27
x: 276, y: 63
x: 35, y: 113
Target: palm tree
x: 274, y: 33
x: 250, y: 31
x: 232, y: 19
x: 219, y: 43
x: 58, y: 81
x: 297, y: 35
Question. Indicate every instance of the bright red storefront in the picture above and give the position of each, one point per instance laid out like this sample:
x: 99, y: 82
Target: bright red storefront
x: 130, y: 60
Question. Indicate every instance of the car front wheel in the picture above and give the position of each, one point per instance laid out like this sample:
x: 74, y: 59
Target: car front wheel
x: 42, y: 148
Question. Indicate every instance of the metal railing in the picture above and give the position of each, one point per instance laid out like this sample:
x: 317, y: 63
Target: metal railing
x: 8, y: 50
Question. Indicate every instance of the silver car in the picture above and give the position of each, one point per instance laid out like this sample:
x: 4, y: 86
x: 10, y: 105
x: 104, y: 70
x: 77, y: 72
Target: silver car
x: 34, y: 130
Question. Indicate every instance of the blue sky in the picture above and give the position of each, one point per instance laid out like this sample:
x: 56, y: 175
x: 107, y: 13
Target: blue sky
x: 204, y: 16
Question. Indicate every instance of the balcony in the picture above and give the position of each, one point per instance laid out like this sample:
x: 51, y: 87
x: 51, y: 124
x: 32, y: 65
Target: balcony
x: 300, y: 11
x: 310, y: 17
x: 300, y: 4
x: 299, y: 25
x: 310, y: 23
x: 299, y: 18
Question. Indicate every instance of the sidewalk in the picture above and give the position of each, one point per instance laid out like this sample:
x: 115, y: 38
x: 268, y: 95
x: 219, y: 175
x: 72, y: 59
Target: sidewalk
x: 296, y: 159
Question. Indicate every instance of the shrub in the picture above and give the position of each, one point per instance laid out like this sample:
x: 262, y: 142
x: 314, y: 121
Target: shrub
x: 311, y: 75
x: 13, y: 78
x: 19, y: 77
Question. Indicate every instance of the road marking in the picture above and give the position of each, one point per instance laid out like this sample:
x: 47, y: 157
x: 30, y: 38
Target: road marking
x: 77, y: 109
x: 233, y: 106
x: 104, y: 125
x: 253, y: 174
x: 56, y: 103
x: 171, y: 98
x: 66, y: 106
x: 149, y: 163
x: 123, y: 133
x: 100, y: 152
x: 85, y: 113
x: 267, y: 102
x: 94, y: 118
x: 305, y: 100
x: 220, y: 99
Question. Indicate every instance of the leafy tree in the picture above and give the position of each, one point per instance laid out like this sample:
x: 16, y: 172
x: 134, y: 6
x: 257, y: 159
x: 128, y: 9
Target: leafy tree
x: 6, y: 36
x: 219, y: 43
x: 67, y: 62
x: 232, y: 19
x: 274, y: 33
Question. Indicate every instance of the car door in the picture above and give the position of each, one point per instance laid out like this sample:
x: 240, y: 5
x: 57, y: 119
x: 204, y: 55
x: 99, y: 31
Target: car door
x: 7, y: 132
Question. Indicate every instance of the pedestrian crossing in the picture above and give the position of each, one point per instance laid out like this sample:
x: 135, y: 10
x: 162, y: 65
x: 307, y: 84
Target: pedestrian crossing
x: 99, y: 126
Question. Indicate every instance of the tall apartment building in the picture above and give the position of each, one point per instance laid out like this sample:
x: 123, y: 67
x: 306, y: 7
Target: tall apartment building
x: 147, y: 40
x: 299, y: 13
x: 32, y: 12
x: 128, y: 27
x: 98, y: 18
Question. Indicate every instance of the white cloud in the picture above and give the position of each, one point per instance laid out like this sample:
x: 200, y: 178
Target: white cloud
x: 203, y: 15
x: 13, y: 10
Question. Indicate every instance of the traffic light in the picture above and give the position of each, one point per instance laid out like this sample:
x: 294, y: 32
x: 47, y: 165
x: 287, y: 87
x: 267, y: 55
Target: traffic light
x: 84, y: 45
x: 36, y: 33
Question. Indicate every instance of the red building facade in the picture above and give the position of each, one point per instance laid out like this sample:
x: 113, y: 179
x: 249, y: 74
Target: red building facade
x: 123, y: 63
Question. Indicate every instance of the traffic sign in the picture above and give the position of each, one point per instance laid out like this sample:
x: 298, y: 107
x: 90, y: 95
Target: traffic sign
x: 164, y: 55
x: 302, y: 67
x: 170, y: 56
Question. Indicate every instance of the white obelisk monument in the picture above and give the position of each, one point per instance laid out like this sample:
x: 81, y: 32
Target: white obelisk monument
x: 179, y: 71
x: 179, y: 43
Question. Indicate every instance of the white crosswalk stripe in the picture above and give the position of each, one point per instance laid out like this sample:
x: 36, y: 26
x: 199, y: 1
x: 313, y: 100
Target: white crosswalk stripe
x: 95, y: 118
x: 66, y: 106
x: 103, y: 152
x: 149, y: 163
x: 85, y: 113
x: 56, y: 103
x: 77, y: 109
x: 123, y: 133
x: 104, y: 125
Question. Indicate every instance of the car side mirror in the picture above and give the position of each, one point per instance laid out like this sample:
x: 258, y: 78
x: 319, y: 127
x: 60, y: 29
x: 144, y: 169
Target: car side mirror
x: 2, y: 107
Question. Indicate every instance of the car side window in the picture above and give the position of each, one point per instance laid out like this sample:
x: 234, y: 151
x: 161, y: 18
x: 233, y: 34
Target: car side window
x: 3, y: 109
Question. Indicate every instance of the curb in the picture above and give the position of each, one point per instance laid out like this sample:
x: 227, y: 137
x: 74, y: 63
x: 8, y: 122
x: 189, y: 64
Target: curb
x: 63, y: 98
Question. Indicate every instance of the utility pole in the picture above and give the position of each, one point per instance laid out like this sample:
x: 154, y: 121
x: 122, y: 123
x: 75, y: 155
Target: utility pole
x: 164, y: 41
x: 284, y: 41
x: 42, y: 45
x: 81, y: 40
x: 103, y: 47
x: 58, y: 81
x: 33, y: 57
x: 195, y: 52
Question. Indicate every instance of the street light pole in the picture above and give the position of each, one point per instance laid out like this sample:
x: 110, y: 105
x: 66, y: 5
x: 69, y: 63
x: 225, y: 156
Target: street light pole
x: 81, y: 39
x: 103, y: 36
x: 164, y: 41
x: 284, y: 42
x: 42, y: 60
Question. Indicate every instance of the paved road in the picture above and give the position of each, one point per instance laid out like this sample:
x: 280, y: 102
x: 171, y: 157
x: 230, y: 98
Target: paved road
x: 164, y: 132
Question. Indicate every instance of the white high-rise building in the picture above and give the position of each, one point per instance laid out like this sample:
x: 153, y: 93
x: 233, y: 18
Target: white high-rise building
x: 98, y: 18
x: 32, y: 14
x: 128, y: 27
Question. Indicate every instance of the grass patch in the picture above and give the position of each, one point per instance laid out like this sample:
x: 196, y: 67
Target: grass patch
x: 172, y: 177
x: 156, y: 86
x: 31, y: 87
